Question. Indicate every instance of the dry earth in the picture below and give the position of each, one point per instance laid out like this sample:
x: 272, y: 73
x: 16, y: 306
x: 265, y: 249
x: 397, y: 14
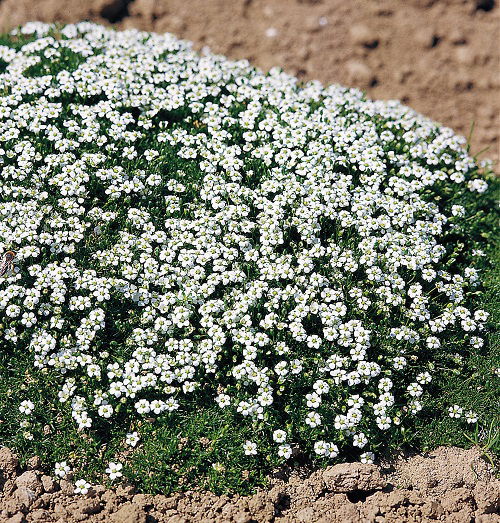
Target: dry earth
x: 441, y: 57
x: 449, y: 484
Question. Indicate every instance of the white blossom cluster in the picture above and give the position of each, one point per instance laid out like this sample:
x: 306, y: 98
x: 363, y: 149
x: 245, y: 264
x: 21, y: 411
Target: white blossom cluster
x: 188, y: 225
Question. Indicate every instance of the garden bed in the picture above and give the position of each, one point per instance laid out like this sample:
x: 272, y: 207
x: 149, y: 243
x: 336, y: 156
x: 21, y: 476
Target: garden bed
x: 211, y: 272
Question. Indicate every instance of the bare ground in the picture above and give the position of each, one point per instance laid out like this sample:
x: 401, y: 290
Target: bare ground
x: 441, y: 57
x: 448, y: 484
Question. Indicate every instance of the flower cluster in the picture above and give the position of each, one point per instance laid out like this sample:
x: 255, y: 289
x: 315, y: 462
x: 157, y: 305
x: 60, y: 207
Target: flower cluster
x: 186, y: 225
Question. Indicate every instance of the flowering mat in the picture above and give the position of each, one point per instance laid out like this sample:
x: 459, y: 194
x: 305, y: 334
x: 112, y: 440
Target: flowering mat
x: 210, y: 273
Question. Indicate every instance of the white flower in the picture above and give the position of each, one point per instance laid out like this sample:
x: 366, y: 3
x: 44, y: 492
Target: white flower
x: 481, y: 315
x: 415, y: 406
x: 360, y: 440
x: 424, y: 378
x: 327, y: 449
x: 62, y: 469
x: 158, y: 406
x: 477, y: 185
x: 105, y: 411
x: 433, y: 342
x: 383, y: 422
x: 321, y: 448
x: 313, y: 419
x: 367, y: 457
x: 285, y: 451
x: 476, y: 342
x: 455, y: 411
x: 279, y: 436
x: 223, y: 400
x: 399, y: 363
x: 250, y: 448
x: 114, y: 470
x: 313, y: 400
x: 471, y: 417
x: 143, y: 406
x: 332, y: 450
x: 81, y: 486
x: 415, y: 390
x: 132, y: 439
x: 321, y: 387
x: 458, y: 210
x: 26, y: 407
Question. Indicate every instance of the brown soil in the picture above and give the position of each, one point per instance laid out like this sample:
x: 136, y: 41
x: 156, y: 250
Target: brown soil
x: 449, y: 484
x: 441, y: 57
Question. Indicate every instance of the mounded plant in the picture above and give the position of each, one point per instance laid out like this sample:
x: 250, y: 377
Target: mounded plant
x: 219, y: 270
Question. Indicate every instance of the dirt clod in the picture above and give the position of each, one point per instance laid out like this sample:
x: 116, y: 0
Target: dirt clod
x: 360, y: 74
x: 362, y: 35
x: 8, y: 463
x: 348, y: 477
x: 128, y: 513
x: 49, y: 485
x: 29, y: 480
x: 487, y: 497
x: 34, y: 463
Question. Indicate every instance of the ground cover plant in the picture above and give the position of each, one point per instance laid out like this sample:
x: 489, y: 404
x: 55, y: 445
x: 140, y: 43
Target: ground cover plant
x: 218, y: 270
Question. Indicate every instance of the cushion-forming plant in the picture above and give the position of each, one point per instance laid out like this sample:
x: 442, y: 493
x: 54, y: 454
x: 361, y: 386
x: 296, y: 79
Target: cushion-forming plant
x: 190, y: 231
